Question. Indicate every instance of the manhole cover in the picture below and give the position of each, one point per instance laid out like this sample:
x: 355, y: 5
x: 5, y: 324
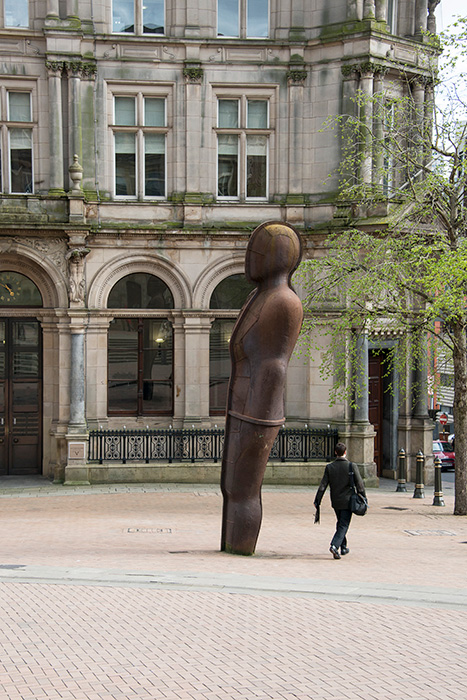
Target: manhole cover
x: 151, y: 530
x: 431, y: 533
x: 394, y: 508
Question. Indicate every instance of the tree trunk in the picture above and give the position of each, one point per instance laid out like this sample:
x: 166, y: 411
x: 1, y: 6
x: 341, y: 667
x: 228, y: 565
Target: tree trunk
x: 460, y: 417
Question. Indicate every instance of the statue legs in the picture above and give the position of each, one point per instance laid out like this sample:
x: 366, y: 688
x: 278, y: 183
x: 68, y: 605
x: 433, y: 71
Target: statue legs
x: 245, y: 458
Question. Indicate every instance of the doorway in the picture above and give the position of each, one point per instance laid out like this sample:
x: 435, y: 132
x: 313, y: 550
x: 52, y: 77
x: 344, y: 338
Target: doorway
x: 383, y: 410
x: 20, y: 396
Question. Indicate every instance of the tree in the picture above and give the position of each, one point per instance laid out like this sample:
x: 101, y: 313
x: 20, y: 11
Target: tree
x: 400, y: 262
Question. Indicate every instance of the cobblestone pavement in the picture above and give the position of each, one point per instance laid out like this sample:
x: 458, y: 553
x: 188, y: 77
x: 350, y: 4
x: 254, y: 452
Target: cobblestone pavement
x: 116, y: 593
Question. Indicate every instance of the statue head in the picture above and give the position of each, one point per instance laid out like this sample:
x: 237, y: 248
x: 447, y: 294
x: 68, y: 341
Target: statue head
x: 274, y: 249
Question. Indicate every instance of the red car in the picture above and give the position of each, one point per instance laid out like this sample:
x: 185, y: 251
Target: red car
x: 444, y: 451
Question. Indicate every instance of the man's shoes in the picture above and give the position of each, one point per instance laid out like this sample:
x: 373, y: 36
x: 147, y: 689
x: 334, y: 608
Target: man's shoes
x: 335, y: 552
x: 344, y: 550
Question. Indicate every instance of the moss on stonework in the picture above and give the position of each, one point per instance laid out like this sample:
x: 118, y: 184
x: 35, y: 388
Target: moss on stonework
x: 331, y: 31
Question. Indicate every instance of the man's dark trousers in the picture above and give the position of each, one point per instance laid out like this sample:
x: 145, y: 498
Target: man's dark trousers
x: 343, y: 521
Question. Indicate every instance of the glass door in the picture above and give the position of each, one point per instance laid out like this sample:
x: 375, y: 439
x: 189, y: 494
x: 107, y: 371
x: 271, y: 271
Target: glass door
x: 20, y: 396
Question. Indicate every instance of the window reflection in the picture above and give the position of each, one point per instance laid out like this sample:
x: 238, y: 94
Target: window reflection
x: 140, y: 355
x: 257, y: 18
x: 153, y: 16
x: 123, y: 16
x: 231, y: 293
x: 16, y: 13
x: 140, y: 291
x: 219, y: 364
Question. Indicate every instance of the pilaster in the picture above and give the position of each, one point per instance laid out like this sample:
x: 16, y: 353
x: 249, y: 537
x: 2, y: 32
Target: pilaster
x: 54, y: 70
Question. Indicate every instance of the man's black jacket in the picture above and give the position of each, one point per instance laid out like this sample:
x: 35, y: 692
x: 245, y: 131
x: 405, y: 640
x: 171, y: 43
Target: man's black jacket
x: 337, y: 476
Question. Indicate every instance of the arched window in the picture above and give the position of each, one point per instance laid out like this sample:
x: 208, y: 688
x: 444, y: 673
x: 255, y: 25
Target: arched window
x: 140, y: 350
x: 18, y: 290
x: 231, y: 293
x: 140, y: 291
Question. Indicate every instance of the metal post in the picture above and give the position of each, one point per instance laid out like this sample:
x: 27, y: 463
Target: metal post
x: 402, y: 475
x: 419, y: 491
x: 438, y: 499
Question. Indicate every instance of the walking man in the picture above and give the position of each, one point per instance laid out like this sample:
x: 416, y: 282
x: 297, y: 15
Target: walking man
x: 337, y: 475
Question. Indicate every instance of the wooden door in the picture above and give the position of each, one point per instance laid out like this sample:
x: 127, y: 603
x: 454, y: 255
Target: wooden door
x: 20, y: 396
x: 375, y: 403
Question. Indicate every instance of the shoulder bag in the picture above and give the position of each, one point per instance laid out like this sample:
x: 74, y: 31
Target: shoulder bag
x: 358, y: 503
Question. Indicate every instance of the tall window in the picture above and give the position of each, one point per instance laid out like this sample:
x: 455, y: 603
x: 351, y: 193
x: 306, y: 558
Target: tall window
x: 243, y: 18
x: 140, y: 350
x: 140, y: 146
x: 231, y: 293
x: 392, y: 21
x: 138, y: 16
x: 16, y: 153
x: 242, y: 147
x: 16, y: 13
x: 388, y: 148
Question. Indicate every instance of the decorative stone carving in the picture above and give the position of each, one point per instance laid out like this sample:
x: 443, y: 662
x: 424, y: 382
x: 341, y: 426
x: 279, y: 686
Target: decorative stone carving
x: 53, y: 248
x: 54, y: 67
x: 76, y: 175
x: 194, y: 74
x: 76, y: 281
x: 431, y: 22
x: 296, y: 76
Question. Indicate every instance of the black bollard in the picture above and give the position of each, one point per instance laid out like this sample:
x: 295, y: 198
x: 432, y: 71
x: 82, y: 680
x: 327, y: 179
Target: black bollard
x: 419, y: 491
x: 438, y: 499
x: 402, y: 473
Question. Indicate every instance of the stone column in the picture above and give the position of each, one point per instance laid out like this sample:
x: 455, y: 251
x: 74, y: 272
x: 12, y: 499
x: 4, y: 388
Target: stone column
x: 72, y: 8
x: 378, y: 130
x: 196, y: 380
x: 77, y: 380
x: 53, y: 8
x: 366, y: 90
x: 360, y: 434
x: 382, y: 10
x: 421, y: 16
x: 295, y: 201
x: 297, y: 21
x: 96, y: 369
x: 76, y: 469
x: 354, y: 9
x: 431, y: 22
x: 428, y: 121
x: 56, y: 167
x: 361, y: 378
x: 75, y: 146
x: 369, y: 9
x: 194, y: 75
x: 178, y: 324
x: 418, y: 94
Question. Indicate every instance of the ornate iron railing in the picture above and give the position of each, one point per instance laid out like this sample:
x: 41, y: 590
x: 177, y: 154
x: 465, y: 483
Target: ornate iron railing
x: 182, y: 445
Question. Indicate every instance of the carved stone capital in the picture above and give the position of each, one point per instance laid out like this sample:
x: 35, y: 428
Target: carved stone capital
x: 193, y: 74
x: 297, y: 76
x: 54, y: 68
x: 76, y: 281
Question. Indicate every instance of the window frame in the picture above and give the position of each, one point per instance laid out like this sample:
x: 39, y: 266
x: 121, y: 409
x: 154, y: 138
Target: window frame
x: 140, y: 316
x: 6, y: 128
x: 242, y: 27
x: 11, y: 27
x: 140, y: 130
x: 242, y: 131
x: 138, y: 27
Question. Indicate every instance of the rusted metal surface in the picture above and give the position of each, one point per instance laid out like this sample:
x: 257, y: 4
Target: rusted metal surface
x: 262, y: 342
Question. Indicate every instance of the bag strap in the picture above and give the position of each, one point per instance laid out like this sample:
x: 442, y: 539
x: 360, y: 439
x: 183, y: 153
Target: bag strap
x: 351, y: 474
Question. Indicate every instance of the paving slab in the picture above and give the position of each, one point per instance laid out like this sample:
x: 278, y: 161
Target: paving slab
x: 120, y: 592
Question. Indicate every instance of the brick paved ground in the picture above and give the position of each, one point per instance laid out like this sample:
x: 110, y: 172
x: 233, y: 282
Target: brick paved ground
x: 102, y: 638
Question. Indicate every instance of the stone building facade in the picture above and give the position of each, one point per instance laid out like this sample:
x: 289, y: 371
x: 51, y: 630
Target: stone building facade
x: 141, y: 143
